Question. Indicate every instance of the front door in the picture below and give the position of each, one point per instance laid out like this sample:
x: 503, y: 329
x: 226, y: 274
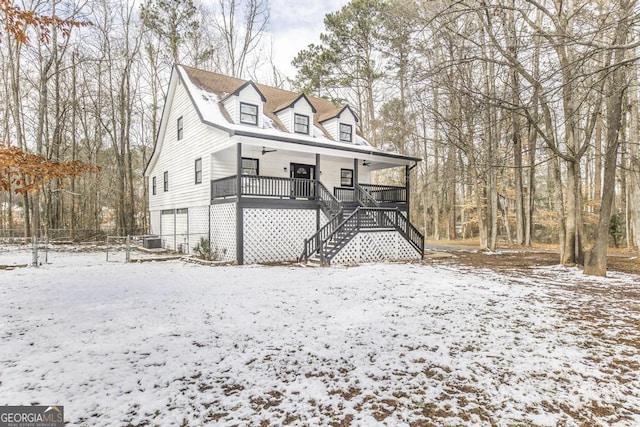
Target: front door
x: 302, y: 186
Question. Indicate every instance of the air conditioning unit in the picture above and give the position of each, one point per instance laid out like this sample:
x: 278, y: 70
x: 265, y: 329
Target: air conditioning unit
x: 152, y: 242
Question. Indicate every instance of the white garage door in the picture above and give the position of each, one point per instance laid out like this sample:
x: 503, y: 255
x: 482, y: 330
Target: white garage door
x: 167, y: 229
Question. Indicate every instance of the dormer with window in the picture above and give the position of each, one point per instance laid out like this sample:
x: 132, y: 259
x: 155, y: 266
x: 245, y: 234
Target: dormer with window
x: 245, y: 105
x: 298, y: 115
x: 340, y: 124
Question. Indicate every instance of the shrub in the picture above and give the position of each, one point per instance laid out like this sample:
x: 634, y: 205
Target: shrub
x: 615, y: 228
x: 203, y: 250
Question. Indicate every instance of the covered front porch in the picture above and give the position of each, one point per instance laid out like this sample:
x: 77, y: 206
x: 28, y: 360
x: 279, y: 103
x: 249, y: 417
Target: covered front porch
x: 281, y: 199
x: 302, y: 189
x: 277, y: 172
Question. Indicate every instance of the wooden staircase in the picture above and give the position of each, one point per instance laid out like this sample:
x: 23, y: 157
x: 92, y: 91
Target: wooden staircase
x: 350, y: 218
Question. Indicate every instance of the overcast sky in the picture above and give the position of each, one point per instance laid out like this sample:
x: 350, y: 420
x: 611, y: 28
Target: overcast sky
x: 296, y: 24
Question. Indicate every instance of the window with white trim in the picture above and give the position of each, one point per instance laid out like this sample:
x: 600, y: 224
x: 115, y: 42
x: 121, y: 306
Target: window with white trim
x: 301, y: 124
x: 198, y: 170
x: 180, y: 128
x: 346, y: 132
x: 248, y: 113
x: 166, y: 181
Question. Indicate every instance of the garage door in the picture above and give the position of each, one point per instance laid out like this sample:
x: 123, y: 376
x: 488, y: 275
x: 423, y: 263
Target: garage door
x: 167, y: 229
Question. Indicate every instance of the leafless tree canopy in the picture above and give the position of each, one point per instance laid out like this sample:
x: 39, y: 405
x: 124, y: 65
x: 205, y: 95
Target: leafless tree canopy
x: 524, y: 112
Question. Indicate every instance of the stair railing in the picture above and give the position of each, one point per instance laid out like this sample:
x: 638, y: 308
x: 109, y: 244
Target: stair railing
x: 328, y: 202
x: 408, y: 230
x: 364, y: 198
x: 335, y: 234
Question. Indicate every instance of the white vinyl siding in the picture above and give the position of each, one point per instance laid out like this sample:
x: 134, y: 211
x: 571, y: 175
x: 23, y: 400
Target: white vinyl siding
x: 178, y: 158
x: 332, y: 128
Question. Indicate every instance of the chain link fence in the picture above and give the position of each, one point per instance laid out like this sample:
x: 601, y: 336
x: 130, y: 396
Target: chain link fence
x: 17, y: 250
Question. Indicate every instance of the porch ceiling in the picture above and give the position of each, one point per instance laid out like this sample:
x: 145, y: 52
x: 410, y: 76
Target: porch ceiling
x: 373, y: 159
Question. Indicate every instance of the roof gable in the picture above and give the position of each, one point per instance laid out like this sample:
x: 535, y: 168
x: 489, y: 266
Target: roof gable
x: 242, y: 87
x: 286, y: 105
x: 337, y: 112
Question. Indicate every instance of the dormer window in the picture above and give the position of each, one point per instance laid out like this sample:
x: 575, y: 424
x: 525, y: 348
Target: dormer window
x: 248, y: 114
x: 346, y: 133
x: 301, y: 124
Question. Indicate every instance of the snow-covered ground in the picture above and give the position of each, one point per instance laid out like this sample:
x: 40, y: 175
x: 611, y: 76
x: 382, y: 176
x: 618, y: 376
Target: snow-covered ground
x: 170, y: 343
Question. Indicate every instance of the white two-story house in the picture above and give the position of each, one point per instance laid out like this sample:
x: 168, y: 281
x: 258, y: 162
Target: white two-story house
x: 269, y: 175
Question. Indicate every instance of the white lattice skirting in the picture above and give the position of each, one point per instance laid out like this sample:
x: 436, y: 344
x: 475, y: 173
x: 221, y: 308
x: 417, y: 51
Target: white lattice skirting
x: 375, y: 247
x: 198, y: 226
x: 223, y: 230
x: 275, y: 235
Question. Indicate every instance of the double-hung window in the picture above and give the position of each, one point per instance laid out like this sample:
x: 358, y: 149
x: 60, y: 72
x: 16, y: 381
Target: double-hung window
x: 301, y: 124
x: 346, y: 177
x: 166, y: 181
x: 198, y: 171
x: 248, y: 114
x: 180, y: 128
x: 250, y: 166
x: 153, y: 185
x: 346, y: 133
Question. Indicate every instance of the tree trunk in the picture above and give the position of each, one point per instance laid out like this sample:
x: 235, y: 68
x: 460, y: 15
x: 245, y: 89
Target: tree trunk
x: 597, y: 260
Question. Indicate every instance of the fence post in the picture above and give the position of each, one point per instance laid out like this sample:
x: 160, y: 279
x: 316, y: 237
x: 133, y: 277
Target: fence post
x: 107, y: 248
x: 34, y: 251
x: 128, y: 252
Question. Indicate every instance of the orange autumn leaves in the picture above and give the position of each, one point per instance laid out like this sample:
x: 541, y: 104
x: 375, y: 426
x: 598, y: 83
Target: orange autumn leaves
x: 15, y: 21
x: 23, y: 172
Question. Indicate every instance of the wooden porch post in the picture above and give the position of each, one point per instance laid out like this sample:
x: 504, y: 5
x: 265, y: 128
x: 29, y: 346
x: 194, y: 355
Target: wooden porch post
x: 355, y: 173
x: 239, y: 212
x: 317, y: 190
x: 407, y: 185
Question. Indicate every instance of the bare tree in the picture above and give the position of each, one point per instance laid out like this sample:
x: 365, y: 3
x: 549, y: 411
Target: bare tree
x: 241, y: 26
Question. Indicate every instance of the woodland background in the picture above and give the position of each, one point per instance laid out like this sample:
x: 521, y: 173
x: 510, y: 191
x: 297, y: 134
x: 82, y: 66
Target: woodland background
x: 525, y: 112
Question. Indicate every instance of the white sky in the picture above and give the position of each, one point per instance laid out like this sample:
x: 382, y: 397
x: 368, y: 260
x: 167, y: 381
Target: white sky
x: 296, y: 24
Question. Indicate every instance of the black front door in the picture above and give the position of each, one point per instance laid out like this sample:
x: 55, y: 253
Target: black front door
x: 302, y: 185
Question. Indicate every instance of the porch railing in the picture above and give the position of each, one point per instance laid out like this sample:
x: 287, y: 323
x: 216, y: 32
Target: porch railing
x: 379, y: 193
x: 386, y: 193
x: 264, y: 186
x: 345, y: 194
x: 270, y: 186
x: 223, y: 187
